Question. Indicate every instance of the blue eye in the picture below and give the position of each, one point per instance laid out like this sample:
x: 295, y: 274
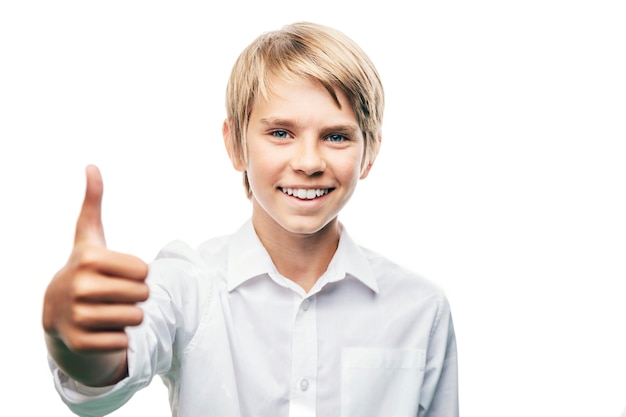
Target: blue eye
x: 280, y: 134
x: 336, y: 138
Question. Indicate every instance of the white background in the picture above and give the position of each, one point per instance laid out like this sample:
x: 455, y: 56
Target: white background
x: 502, y: 174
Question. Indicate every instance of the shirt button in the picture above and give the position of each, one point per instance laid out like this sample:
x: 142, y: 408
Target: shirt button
x: 306, y: 304
x: 304, y: 384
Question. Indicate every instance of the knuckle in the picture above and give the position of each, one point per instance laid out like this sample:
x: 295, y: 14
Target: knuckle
x: 82, y: 287
x: 85, y: 256
x: 78, y: 342
x: 79, y: 315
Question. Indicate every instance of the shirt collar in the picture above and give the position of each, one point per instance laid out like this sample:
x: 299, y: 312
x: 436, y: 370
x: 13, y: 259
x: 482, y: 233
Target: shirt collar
x: 247, y: 258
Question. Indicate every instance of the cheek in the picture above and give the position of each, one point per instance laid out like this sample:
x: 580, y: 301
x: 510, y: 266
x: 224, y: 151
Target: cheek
x: 350, y: 171
x: 262, y: 161
x: 263, y: 165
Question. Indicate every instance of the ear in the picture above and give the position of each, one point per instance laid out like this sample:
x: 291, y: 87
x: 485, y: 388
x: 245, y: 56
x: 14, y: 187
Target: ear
x: 228, y: 143
x: 366, y: 169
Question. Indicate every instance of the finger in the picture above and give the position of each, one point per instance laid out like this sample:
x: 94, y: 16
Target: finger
x: 96, y: 341
x: 110, y: 263
x: 95, y: 288
x: 110, y: 317
x: 89, y: 225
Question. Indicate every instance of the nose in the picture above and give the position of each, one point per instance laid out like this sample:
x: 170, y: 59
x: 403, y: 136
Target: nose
x: 308, y: 157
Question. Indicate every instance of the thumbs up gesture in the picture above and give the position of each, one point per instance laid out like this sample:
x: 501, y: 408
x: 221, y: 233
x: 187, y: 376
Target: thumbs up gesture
x: 91, y: 300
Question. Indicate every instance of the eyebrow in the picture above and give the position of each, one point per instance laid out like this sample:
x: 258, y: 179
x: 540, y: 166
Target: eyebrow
x: 275, y: 121
x: 347, y: 128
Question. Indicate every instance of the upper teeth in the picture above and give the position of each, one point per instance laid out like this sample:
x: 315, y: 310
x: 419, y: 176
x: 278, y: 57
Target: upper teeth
x: 307, y: 194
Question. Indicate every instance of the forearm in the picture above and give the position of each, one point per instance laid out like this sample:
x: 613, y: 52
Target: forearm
x: 96, y: 369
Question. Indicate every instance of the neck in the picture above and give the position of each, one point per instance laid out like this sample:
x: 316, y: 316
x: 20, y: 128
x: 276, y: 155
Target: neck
x: 300, y: 257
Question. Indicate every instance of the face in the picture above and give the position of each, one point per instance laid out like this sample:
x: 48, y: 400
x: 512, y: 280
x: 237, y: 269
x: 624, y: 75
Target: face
x: 304, y: 157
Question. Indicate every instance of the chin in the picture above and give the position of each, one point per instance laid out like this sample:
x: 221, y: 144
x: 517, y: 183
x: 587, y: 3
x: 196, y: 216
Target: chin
x: 307, y: 226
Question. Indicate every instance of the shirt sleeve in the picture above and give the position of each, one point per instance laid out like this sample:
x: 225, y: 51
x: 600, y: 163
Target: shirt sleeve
x: 440, y: 388
x: 171, y: 315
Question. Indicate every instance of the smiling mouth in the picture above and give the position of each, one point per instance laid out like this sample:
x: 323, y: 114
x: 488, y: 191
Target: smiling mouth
x: 306, y: 194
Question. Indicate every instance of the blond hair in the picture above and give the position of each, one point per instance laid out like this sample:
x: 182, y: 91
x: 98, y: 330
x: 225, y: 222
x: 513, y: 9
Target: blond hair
x: 305, y: 50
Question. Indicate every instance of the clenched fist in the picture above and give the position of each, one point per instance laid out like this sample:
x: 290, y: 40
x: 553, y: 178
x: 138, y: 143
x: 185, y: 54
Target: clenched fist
x: 93, y: 298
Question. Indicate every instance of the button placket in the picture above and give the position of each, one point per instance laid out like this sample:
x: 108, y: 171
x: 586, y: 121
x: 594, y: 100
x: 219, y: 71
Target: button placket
x: 304, y: 360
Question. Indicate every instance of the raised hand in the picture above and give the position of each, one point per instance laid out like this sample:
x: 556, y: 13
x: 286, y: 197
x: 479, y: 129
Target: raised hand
x: 93, y: 298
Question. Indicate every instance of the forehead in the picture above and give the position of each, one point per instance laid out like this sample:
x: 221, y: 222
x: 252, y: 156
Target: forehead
x: 302, y: 98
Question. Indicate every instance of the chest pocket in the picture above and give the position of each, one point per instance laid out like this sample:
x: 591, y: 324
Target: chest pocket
x: 381, y: 382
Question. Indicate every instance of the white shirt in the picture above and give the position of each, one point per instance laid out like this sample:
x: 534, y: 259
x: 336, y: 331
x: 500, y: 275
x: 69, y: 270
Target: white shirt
x: 231, y: 337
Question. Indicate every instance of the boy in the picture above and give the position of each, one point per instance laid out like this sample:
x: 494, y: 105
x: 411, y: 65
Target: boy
x: 287, y: 316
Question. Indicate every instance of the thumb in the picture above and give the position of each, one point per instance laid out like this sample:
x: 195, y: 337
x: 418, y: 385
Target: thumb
x: 89, y: 225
